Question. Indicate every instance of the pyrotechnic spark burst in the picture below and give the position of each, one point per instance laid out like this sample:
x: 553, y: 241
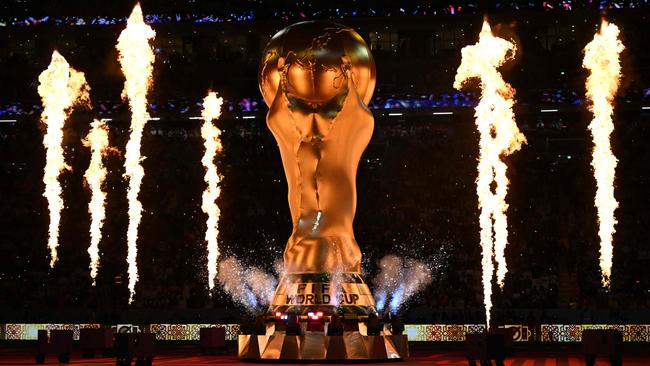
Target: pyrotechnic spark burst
x: 60, y: 87
x: 387, y: 279
x: 399, y: 280
x: 97, y: 141
x: 499, y: 136
x: 136, y: 59
x: 602, y: 61
x: 212, y: 143
x: 251, y: 287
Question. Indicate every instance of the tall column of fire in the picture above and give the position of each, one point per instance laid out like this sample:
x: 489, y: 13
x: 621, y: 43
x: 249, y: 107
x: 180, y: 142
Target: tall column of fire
x: 210, y: 133
x: 60, y: 87
x: 499, y: 136
x: 602, y: 61
x: 97, y: 141
x: 136, y: 58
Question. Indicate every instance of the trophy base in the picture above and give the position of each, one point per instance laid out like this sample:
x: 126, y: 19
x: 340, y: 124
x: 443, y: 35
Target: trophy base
x: 304, y: 293
x: 349, y: 347
x: 322, y: 317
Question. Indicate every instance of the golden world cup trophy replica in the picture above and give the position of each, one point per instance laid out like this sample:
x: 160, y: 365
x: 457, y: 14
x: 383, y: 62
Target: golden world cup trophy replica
x: 317, y: 79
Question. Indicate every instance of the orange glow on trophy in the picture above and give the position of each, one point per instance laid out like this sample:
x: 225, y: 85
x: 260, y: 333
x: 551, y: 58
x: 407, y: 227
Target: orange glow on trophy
x: 317, y: 79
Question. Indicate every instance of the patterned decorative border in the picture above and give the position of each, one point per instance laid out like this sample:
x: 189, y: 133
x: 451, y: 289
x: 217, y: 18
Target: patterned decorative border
x: 415, y: 332
x: 573, y: 332
x: 30, y: 331
x: 164, y: 332
x: 190, y: 332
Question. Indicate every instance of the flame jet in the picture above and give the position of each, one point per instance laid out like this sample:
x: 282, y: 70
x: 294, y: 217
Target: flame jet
x: 136, y: 58
x: 210, y: 133
x: 499, y: 136
x: 602, y: 61
x: 97, y: 141
x: 60, y: 87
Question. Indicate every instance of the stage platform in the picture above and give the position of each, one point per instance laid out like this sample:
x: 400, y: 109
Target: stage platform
x: 421, y: 355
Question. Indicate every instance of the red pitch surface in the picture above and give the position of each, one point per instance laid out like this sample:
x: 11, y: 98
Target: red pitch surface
x: 189, y: 356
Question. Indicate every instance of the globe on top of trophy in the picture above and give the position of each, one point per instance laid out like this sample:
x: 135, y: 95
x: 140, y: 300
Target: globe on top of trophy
x: 315, y: 55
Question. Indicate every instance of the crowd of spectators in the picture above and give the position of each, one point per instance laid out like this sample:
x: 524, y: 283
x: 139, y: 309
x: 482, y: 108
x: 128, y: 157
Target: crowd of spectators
x: 252, y: 10
x: 417, y: 198
x: 416, y: 180
x: 106, y: 108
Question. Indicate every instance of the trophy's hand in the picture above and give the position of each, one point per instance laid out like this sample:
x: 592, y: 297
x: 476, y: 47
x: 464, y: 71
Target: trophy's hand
x: 280, y: 104
x: 353, y: 106
x: 354, y: 117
